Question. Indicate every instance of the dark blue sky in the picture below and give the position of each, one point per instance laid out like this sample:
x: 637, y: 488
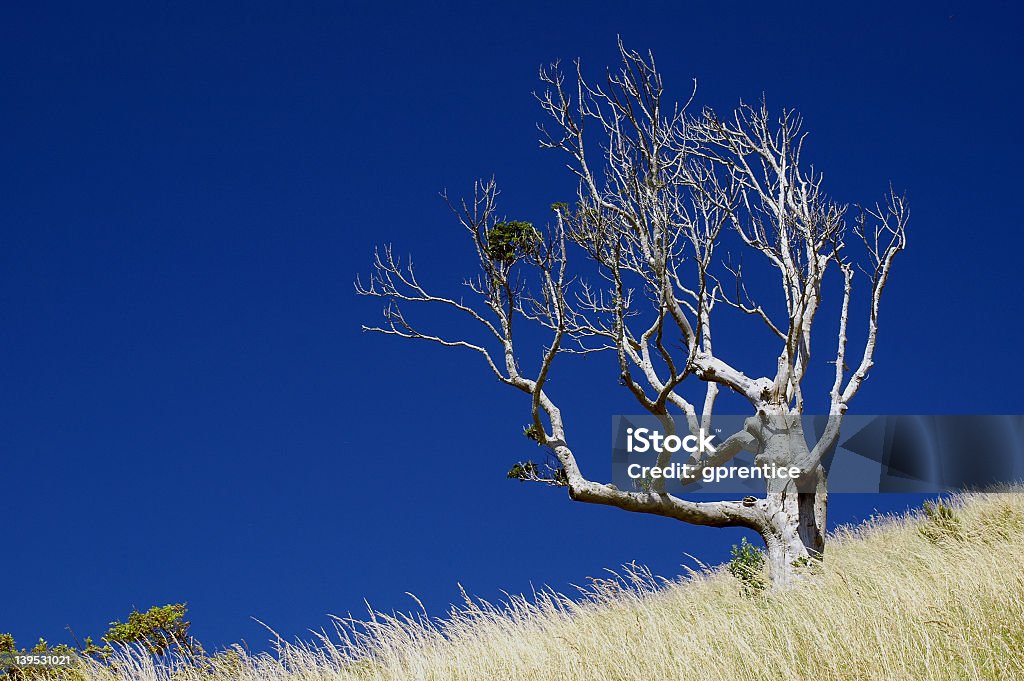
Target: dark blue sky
x: 188, y: 408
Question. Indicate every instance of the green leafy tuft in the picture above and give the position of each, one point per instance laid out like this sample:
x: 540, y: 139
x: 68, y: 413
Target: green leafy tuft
x: 509, y: 241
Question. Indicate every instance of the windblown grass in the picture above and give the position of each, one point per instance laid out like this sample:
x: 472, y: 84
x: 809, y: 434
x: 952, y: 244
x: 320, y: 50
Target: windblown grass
x: 938, y: 596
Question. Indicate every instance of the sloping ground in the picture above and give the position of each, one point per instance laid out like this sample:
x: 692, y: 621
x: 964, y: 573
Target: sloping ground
x: 898, y: 598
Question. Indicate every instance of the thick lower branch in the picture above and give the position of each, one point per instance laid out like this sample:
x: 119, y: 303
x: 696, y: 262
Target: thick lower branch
x: 711, y: 513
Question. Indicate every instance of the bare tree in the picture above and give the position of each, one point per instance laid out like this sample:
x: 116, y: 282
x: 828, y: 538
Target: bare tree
x: 661, y: 192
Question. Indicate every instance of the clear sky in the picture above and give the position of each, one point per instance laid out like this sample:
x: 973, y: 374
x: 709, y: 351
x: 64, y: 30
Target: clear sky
x: 188, y: 410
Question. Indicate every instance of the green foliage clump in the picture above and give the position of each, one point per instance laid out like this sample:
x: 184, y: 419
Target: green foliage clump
x: 157, y: 630
x: 524, y: 470
x: 9, y: 670
x: 532, y: 432
x: 747, y: 565
x: 942, y: 523
x: 506, y: 242
x: 530, y: 470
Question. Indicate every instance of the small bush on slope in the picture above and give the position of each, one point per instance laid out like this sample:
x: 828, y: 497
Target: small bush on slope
x: 747, y: 565
x: 158, y: 631
x: 886, y: 603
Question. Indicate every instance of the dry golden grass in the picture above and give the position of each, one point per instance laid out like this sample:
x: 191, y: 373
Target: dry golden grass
x: 897, y: 598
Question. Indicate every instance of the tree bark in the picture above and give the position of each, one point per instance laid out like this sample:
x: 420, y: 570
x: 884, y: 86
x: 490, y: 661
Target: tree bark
x: 794, y: 532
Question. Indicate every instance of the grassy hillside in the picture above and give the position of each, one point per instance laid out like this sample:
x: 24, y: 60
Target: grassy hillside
x: 898, y: 598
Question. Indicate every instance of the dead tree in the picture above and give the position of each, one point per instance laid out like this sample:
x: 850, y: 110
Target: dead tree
x: 668, y: 202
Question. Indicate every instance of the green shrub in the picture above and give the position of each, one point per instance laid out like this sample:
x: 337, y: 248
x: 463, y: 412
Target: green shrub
x: 8, y: 648
x: 156, y: 631
x: 747, y: 565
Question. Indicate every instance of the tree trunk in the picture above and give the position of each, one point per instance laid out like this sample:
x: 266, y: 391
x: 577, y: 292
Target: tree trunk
x: 794, y: 533
x: 793, y: 524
